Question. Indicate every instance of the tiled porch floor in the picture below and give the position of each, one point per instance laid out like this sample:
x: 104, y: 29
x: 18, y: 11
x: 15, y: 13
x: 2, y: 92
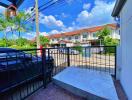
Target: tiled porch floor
x: 120, y: 92
x: 53, y: 92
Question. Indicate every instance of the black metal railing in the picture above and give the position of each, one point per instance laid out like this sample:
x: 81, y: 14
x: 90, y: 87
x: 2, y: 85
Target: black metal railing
x: 100, y: 58
x: 22, y: 72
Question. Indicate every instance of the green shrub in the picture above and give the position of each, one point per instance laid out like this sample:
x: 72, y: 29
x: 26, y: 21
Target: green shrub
x: 15, y: 47
x: 21, y: 42
x: 44, y: 40
x: 78, y: 48
x: 3, y: 42
x: 110, y: 42
x: 21, y: 47
x: 11, y: 42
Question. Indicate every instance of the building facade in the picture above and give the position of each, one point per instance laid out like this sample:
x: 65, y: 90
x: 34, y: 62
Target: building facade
x: 122, y: 11
x: 84, y: 37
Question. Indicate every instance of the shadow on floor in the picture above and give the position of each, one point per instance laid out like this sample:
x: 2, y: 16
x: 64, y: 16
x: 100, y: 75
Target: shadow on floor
x: 53, y: 92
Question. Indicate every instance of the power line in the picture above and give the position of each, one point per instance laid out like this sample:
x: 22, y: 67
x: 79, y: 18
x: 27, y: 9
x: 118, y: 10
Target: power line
x: 50, y: 5
x: 41, y: 5
x: 52, y: 9
x: 57, y: 1
x: 46, y: 3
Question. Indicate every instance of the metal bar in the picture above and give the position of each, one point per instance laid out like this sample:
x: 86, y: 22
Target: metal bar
x: 44, y: 67
x: 115, y: 61
x: 105, y: 61
x: 68, y: 56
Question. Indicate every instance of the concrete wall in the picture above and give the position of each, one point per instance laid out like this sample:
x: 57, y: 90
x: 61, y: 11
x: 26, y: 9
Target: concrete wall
x: 126, y: 48
x: 69, y: 45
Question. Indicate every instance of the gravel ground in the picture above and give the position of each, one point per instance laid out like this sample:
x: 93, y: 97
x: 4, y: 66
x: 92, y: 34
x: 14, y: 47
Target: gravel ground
x: 53, y: 92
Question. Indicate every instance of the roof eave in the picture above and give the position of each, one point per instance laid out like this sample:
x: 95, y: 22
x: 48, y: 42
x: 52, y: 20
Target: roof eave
x: 118, y: 6
x: 16, y: 3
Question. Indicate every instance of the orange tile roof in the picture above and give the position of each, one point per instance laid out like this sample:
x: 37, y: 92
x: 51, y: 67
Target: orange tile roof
x: 56, y: 35
x: 77, y: 32
x: 65, y: 41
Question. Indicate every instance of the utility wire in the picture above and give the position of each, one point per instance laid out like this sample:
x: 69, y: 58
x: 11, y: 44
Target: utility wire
x: 52, y: 9
x: 41, y: 6
x: 46, y: 7
x: 45, y: 4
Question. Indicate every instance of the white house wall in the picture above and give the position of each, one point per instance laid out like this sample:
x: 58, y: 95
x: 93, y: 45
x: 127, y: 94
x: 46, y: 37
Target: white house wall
x: 69, y: 44
x: 114, y: 34
x: 126, y: 48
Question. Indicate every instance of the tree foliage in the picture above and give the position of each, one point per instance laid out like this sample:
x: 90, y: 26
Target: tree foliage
x: 21, y: 23
x: 44, y: 40
x: 104, y: 36
x: 110, y: 42
x: 5, y: 24
x: 103, y: 33
x: 17, y: 23
x: 21, y: 41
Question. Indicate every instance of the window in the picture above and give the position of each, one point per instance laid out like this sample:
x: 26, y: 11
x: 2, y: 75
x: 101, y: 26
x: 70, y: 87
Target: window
x: 69, y: 38
x: 52, y: 39
x: 94, y: 35
x: 85, y: 35
x: 58, y: 39
x: 63, y: 38
x: 76, y: 37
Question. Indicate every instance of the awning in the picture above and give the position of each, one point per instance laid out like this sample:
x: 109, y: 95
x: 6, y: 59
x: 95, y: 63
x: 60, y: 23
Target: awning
x: 7, y: 3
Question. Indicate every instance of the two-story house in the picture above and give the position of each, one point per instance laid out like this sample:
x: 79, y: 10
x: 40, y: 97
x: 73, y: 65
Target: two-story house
x: 82, y: 37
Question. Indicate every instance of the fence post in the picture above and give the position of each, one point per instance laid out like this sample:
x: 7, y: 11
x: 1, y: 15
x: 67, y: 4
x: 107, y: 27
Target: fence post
x: 44, y: 67
x: 115, y: 62
x: 48, y: 53
x: 68, y: 56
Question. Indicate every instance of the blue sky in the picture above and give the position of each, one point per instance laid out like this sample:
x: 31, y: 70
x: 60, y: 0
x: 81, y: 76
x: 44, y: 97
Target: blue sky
x: 70, y: 15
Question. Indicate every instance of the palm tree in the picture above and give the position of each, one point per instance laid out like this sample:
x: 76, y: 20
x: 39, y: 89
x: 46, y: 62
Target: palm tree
x: 21, y: 24
x: 4, y: 25
x: 17, y: 23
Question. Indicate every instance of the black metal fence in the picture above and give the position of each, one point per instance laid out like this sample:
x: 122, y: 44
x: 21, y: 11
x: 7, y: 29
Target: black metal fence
x: 100, y: 58
x: 22, y: 72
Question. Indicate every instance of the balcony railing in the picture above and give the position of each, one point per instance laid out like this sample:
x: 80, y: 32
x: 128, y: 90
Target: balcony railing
x: 22, y: 72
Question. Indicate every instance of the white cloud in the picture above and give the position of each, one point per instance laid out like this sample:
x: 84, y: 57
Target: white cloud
x: 64, y: 15
x: 29, y: 35
x: 66, y: 29
x: 69, y: 1
x: 86, y: 6
x: 100, y: 14
x: 43, y: 33
x: 54, y: 32
x: 73, y: 23
x: 32, y: 35
x: 29, y: 10
x: 2, y: 9
x: 50, y: 21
